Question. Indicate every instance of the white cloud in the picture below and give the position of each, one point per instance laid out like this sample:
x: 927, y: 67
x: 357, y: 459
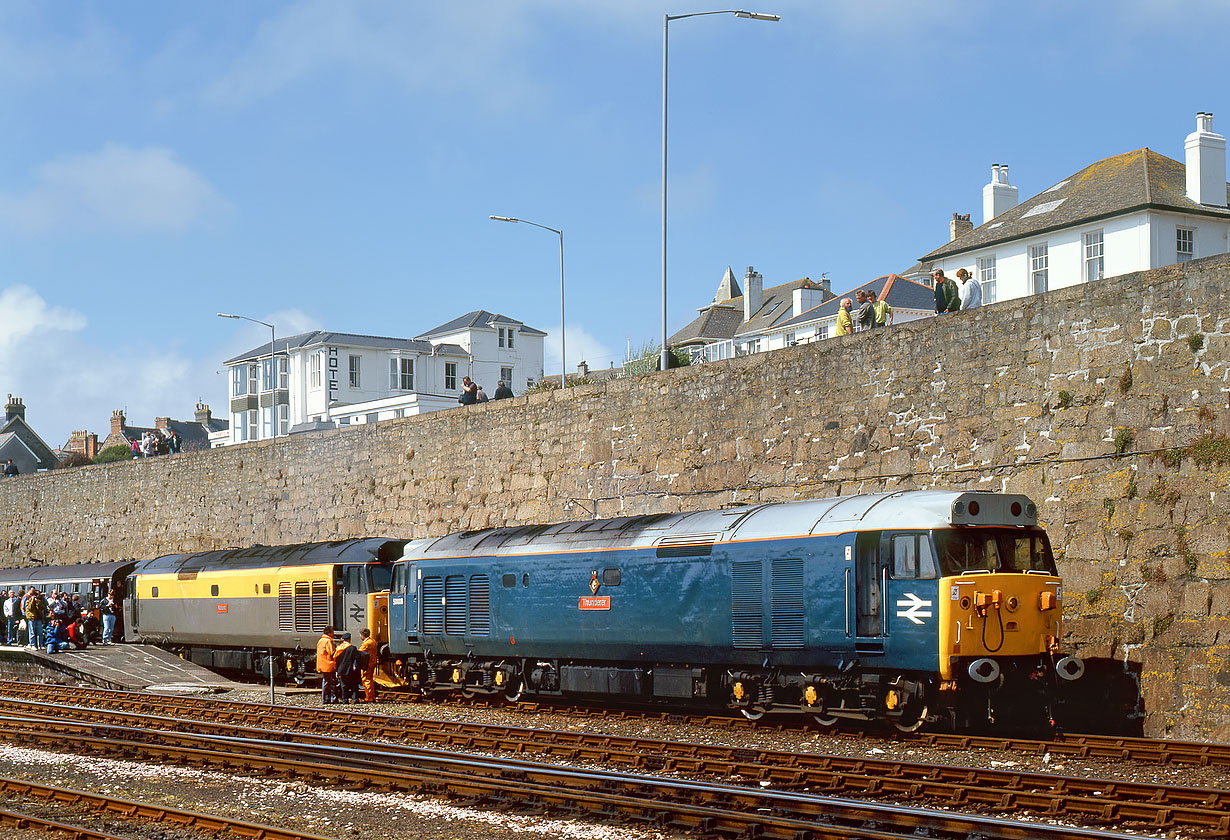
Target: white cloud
x: 582, y: 346
x: 118, y: 189
x: 478, y: 47
x: 48, y: 358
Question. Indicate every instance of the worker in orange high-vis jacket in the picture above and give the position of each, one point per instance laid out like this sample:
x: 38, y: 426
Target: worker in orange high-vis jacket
x: 367, y: 657
x: 326, y: 667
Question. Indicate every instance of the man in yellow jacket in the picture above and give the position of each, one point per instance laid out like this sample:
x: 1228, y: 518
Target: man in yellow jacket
x: 326, y: 667
x: 368, y: 656
x: 845, y: 324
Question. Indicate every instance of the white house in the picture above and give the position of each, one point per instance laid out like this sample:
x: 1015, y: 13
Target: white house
x: 1131, y: 212
x: 909, y: 300
x: 326, y: 378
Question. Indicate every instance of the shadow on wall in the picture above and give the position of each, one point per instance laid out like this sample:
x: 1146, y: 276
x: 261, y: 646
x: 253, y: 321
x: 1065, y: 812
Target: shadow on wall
x: 1105, y: 701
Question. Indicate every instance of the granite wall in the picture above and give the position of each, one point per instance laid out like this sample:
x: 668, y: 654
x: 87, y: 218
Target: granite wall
x: 1108, y: 403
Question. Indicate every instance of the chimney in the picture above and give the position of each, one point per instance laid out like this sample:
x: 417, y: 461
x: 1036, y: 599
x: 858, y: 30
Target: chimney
x: 998, y: 196
x: 91, y: 446
x: 959, y: 226
x: 162, y: 423
x: 117, y: 422
x: 806, y: 296
x: 1206, y: 163
x: 203, y: 414
x: 14, y: 408
x: 753, y: 293
x: 583, y: 368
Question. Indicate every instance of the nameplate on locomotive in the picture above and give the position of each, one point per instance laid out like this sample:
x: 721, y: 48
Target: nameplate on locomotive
x: 599, y: 602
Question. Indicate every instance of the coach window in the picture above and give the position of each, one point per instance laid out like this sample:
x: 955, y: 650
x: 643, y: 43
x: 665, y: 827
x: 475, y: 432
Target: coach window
x: 610, y: 577
x: 213, y: 590
x: 912, y: 557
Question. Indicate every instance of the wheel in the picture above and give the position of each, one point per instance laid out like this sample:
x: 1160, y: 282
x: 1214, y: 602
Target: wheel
x: 911, y: 722
x: 513, y: 692
x: 753, y: 712
x: 824, y: 720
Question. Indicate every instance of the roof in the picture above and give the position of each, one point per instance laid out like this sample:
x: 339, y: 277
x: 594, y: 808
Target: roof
x: 1143, y: 179
x: 322, y: 337
x: 898, y: 291
x: 479, y: 318
x: 368, y: 550
x: 723, y: 319
x: 21, y: 430
x: 47, y: 574
x: 681, y: 534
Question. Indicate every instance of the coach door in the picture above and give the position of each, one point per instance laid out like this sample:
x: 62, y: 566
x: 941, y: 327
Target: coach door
x: 869, y: 587
x: 131, y: 604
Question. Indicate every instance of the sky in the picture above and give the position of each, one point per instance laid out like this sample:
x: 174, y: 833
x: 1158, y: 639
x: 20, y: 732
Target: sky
x: 332, y: 164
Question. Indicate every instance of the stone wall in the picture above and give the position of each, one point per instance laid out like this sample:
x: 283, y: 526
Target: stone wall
x: 1108, y: 403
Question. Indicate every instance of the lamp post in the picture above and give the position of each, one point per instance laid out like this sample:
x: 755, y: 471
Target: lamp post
x: 273, y: 368
x: 562, y: 342
x: 666, y: 23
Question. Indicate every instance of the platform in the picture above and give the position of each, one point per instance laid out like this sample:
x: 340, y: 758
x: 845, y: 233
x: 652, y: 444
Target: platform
x: 125, y: 667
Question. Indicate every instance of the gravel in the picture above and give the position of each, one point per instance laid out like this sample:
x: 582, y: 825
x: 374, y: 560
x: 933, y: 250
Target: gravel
x: 337, y: 812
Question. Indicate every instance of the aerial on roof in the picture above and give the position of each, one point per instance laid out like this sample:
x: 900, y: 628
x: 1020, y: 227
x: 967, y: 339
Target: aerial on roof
x: 479, y: 318
x: 1139, y: 180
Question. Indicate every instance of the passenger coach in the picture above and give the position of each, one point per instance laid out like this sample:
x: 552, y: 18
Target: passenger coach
x: 910, y: 607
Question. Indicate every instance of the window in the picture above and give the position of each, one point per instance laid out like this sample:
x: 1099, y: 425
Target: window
x: 506, y: 337
x: 371, y: 417
x: 1039, y: 264
x: 239, y: 424
x: 267, y: 375
x: 265, y: 589
x: 252, y: 379
x: 610, y: 577
x: 153, y: 593
x: 1185, y: 243
x: 1094, y: 263
x: 267, y: 415
x: 912, y: 557
x: 251, y: 424
x: 450, y: 376
x: 506, y: 374
x: 213, y: 590
x: 314, y: 363
x: 239, y: 381
x: 509, y: 581
x: 401, y: 374
x: 822, y: 331
x: 283, y: 419
x: 283, y: 373
x: 986, y: 278
x: 355, y: 369
x: 501, y: 331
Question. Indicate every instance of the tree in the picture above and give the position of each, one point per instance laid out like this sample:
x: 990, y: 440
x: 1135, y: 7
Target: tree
x: 113, y: 453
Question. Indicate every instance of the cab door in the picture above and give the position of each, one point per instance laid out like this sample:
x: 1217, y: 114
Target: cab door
x: 351, y: 598
x: 869, y: 591
x: 403, y: 606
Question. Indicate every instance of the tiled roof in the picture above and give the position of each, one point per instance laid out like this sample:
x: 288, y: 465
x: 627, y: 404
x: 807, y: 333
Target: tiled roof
x: 715, y: 323
x: 321, y: 337
x: 722, y: 321
x: 1111, y: 187
x: 479, y: 318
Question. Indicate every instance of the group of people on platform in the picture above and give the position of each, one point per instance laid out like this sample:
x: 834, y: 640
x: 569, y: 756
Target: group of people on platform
x: 156, y: 442
x: 473, y: 393
x: 343, y: 667
x: 55, y: 621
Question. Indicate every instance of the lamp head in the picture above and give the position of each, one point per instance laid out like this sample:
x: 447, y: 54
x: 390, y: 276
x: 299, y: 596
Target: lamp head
x: 504, y: 219
x: 224, y: 315
x: 757, y: 15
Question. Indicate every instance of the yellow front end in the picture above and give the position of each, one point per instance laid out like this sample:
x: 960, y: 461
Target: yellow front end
x: 378, y: 618
x: 998, y: 615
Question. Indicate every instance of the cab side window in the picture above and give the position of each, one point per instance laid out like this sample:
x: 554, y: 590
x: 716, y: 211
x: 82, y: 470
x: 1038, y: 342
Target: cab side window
x: 912, y: 557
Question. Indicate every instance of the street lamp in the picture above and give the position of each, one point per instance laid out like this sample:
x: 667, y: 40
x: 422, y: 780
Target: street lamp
x: 562, y: 343
x: 273, y: 368
x: 666, y: 21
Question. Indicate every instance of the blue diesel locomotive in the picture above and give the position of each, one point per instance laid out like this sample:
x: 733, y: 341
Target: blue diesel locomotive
x: 919, y: 607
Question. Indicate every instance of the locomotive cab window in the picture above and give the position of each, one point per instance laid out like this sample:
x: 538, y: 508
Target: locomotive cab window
x: 354, y: 579
x: 610, y: 577
x: 912, y: 557
x: 993, y: 550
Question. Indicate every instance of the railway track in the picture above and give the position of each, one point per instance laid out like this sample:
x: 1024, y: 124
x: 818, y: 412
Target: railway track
x: 1083, y: 800
x: 126, y: 810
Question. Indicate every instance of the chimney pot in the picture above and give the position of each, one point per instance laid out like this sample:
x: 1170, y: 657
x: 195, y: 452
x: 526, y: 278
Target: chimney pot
x: 753, y: 293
